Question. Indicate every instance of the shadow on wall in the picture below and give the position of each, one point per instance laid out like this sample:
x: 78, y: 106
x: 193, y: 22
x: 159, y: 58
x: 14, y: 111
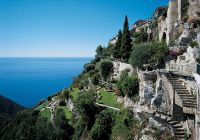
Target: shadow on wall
x: 178, y: 112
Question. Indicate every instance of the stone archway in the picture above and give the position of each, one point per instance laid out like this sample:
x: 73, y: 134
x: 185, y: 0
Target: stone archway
x: 150, y: 37
x: 164, y: 35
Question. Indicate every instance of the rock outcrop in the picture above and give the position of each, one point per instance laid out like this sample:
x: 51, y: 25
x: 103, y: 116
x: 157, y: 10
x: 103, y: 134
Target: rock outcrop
x: 147, y: 92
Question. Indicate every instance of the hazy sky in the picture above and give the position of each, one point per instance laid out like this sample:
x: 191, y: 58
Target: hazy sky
x: 65, y: 27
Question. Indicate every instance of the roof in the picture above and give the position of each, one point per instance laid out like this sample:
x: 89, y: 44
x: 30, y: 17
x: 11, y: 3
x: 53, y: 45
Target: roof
x: 139, y: 23
x: 160, y: 9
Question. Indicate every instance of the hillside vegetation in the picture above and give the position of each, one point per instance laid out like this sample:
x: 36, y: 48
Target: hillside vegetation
x: 89, y: 109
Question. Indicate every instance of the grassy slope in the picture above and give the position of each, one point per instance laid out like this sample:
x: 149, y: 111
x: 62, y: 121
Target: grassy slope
x: 45, y: 104
x: 75, y: 93
x: 46, y: 113
x: 108, y: 98
x: 68, y: 114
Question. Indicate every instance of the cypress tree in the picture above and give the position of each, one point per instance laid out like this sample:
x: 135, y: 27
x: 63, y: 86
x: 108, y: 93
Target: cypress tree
x: 126, y: 47
x: 117, y: 49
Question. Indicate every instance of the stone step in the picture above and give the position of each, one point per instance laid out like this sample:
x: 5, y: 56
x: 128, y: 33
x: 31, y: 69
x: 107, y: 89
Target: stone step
x: 184, y: 93
x: 173, y: 79
x: 189, y: 99
x: 176, y: 82
x: 179, y: 133
x: 179, y: 129
x: 180, y: 137
x: 179, y: 87
x: 185, y: 96
x: 190, y: 102
x: 183, y: 90
x: 177, y: 126
x: 173, y: 122
x: 188, y: 95
x: 189, y: 106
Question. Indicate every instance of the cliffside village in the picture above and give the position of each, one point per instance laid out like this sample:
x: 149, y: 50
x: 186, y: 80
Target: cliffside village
x: 171, y: 94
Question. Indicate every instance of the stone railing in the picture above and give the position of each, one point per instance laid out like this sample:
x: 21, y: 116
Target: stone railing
x: 182, y: 69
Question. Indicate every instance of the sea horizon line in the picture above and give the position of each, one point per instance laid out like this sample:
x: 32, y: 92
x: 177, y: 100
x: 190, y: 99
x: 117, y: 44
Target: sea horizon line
x: 46, y: 56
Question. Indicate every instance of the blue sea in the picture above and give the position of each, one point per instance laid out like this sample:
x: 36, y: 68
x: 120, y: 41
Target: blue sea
x: 27, y: 81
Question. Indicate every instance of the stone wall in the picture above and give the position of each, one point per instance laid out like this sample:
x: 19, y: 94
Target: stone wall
x: 119, y: 67
x: 182, y: 8
x: 172, y: 18
x: 185, y: 64
x: 162, y: 29
x: 197, y: 116
x: 175, y: 106
x: 146, y: 90
x: 194, y: 8
x: 169, y: 93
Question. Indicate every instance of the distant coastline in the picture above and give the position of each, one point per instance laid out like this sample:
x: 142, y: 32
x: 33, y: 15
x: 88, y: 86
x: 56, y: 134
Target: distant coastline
x: 28, y: 80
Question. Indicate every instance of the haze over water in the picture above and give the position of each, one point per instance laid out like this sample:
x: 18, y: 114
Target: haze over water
x: 30, y: 80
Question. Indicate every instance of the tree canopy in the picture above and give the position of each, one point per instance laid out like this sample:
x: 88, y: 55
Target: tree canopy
x: 126, y: 41
x: 128, y: 85
x: 103, y: 125
x: 117, y: 48
x: 152, y: 54
x: 106, y: 69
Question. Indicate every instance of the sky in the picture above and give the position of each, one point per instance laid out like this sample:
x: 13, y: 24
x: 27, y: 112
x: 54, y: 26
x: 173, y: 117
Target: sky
x: 65, y: 28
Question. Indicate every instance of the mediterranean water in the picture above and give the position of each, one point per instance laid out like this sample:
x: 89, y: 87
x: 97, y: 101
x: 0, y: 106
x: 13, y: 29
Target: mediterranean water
x: 27, y: 81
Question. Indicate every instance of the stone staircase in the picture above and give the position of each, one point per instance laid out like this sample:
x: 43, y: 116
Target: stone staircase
x: 176, y: 126
x: 188, y: 99
x: 178, y: 130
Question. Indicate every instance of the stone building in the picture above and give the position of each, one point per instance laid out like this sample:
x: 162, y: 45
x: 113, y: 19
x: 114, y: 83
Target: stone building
x: 169, y: 22
x: 159, y: 11
x: 178, y: 11
x: 140, y: 25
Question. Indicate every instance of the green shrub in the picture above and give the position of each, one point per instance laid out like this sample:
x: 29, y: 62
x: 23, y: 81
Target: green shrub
x: 185, y: 18
x: 64, y: 128
x: 140, y: 37
x: 103, y: 125
x: 106, y: 69
x: 66, y: 93
x: 85, y: 106
x: 92, y: 72
x: 128, y: 85
x: 62, y: 102
x: 89, y: 67
x: 126, y: 126
x: 153, y: 54
x: 154, y: 23
x: 95, y: 79
x: 194, y: 44
x: 80, y: 127
x: 81, y: 85
x: 49, y: 98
